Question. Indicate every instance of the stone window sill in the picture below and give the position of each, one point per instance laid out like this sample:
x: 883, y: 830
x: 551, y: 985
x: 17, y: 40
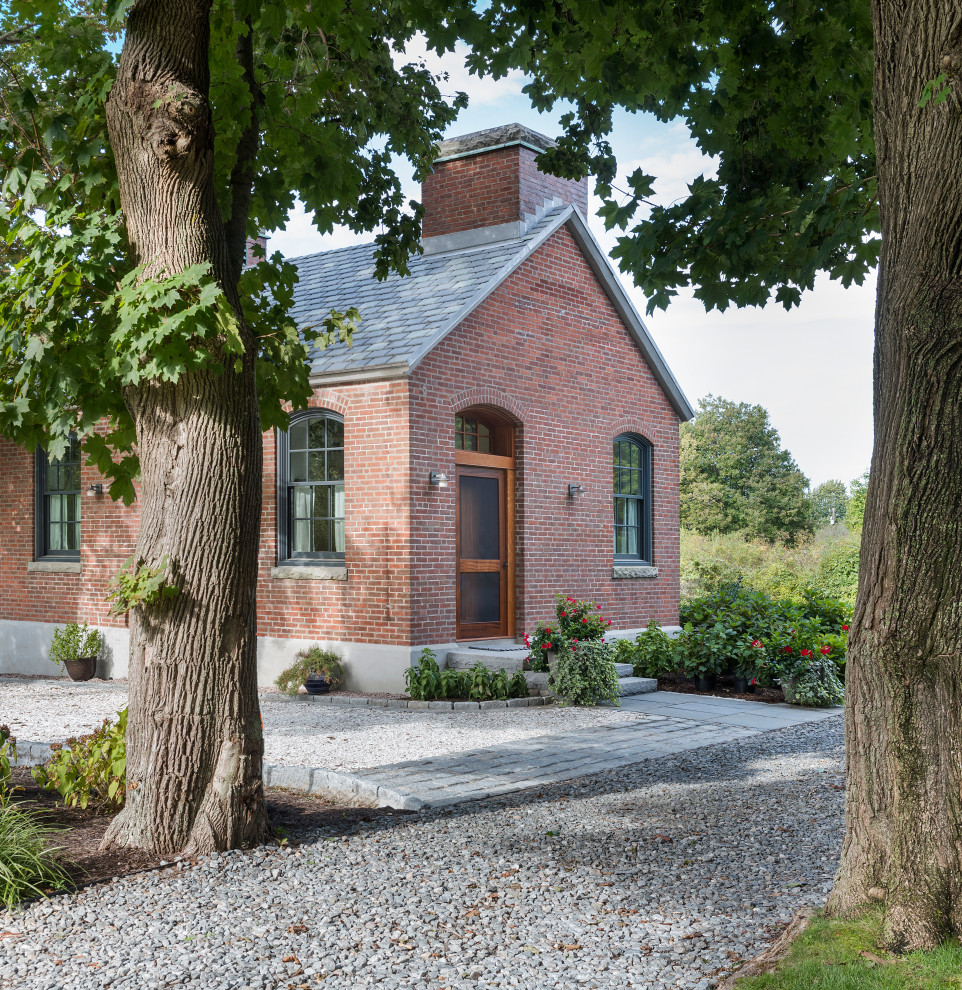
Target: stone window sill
x: 634, y: 571
x: 54, y: 566
x: 320, y: 573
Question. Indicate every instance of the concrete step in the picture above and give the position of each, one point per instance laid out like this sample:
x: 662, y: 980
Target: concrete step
x: 625, y: 669
x: 636, y: 685
x: 464, y: 659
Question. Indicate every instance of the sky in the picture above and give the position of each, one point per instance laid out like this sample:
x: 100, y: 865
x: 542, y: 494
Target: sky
x: 810, y: 367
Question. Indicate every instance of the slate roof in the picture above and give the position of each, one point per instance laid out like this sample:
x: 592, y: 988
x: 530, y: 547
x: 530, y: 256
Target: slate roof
x: 401, y: 318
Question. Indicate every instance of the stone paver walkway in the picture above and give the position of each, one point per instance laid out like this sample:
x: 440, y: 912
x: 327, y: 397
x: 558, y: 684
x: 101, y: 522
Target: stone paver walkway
x: 674, y: 723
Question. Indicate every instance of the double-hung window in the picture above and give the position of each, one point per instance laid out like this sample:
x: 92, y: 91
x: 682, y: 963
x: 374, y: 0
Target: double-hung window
x: 632, y: 499
x: 311, y: 488
x: 58, y: 504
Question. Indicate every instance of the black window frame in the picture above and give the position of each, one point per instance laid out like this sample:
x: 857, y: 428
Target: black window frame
x: 42, y: 521
x: 285, y: 556
x: 644, y: 554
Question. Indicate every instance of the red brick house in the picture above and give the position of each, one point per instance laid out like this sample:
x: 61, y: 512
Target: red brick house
x: 503, y: 429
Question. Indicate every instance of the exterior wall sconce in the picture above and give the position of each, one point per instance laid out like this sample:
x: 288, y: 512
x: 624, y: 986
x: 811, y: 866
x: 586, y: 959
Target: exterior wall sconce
x: 438, y: 479
x: 94, y: 490
x: 574, y: 490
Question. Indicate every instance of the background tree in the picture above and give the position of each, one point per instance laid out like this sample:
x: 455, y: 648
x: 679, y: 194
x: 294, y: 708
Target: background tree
x: 129, y: 187
x: 856, y: 503
x: 736, y: 477
x: 829, y: 502
x: 832, y: 123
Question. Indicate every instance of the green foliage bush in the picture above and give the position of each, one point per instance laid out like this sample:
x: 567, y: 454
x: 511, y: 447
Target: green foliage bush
x: 756, y: 636
x: 74, y: 642
x: 585, y: 675
x: 91, y: 769
x: 709, y: 562
x: 28, y: 865
x: 652, y: 653
x: 426, y: 682
x: 312, y: 660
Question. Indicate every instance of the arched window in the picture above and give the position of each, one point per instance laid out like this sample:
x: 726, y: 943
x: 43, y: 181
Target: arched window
x: 632, y: 497
x: 58, y: 503
x: 311, y: 488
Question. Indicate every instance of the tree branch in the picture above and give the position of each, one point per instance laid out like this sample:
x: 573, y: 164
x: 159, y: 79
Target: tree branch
x: 242, y: 175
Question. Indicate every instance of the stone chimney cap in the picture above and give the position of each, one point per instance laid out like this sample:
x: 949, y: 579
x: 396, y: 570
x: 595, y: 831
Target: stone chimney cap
x: 493, y: 137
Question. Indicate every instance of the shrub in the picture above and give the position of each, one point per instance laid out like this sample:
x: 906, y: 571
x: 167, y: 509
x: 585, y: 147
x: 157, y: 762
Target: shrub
x: 28, y: 867
x: 91, y: 769
x: 73, y: 642
x: 651, y: 654
x: 312, y: 660
x: 426, y: 682
x: 817, y: 684
x: 585, y: 675
x: 576, y: 622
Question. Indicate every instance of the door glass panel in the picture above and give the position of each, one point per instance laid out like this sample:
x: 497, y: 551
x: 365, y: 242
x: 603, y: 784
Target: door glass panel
x: 480, y: 519
x: 480, y: 597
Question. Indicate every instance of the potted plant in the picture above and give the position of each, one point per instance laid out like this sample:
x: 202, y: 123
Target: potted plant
x: 317, y: 669
x: 748, y: 657
x: 77, y: 648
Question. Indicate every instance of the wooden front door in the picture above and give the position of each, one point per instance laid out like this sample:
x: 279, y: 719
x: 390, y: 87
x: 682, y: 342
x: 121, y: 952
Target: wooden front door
x: 482, y: 538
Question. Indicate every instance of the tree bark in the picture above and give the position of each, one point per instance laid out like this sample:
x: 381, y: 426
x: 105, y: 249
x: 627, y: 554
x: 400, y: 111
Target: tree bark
x: 194, y: 739
x: 903, y: 840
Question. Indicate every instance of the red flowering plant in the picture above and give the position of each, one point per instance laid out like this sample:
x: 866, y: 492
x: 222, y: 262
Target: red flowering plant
x: 577, y: 622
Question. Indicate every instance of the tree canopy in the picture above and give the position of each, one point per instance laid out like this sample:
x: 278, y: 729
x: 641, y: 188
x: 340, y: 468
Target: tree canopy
x: 735, y: 476
x: 303, y: 105
x: 829, y: 502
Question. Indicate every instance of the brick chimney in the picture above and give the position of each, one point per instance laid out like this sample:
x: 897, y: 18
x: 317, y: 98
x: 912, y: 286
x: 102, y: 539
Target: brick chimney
x: 490, y: 178
x: 252, y: 258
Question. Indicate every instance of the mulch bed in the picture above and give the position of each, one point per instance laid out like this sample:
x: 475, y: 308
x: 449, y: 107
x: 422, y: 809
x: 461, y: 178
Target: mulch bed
x: 723, y: 689
x: 295, y: 817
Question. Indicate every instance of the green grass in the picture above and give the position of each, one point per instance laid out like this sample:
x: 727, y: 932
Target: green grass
x: 845, y: 955
x: 28, y: 867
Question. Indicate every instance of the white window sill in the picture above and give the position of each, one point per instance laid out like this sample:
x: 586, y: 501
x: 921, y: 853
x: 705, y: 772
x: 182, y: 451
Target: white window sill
x: 634, y: 571
x: 319, y: 573
x: 54, y: 566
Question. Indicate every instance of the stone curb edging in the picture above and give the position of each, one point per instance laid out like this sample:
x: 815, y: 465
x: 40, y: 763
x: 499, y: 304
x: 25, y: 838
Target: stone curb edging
x: 312, y: 781
x: 348, y: 701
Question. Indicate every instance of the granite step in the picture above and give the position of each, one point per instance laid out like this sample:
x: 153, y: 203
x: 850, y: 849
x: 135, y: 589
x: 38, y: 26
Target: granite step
x: 636, y: 685
x: 465, y: 659
x: 625, y: 669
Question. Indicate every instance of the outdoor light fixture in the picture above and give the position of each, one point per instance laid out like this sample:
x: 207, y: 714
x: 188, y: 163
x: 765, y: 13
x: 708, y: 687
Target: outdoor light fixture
x: 94, y: 490
x: 574, y: 490
x: 438, y: 479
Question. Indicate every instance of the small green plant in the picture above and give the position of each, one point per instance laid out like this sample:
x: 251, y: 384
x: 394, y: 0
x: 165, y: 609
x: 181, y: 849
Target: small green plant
x: 139, y: 584
x: 73, y: 642
x: 312, y: 660
x: 28, y: 866
x: 652, y: 654
x: 426, y: 682
x: 8, y: 755
x: 91, y: 769
x: 585, y: 675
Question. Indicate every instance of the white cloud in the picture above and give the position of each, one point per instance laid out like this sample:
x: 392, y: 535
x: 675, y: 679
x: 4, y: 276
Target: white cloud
x: 481, y: 92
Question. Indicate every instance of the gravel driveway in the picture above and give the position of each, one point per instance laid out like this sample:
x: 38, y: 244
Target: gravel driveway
x: 658, y: 875
x: 336, y: 738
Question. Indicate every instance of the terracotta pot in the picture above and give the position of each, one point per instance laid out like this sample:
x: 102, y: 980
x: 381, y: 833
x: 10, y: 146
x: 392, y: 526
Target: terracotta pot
x: 81, y: 669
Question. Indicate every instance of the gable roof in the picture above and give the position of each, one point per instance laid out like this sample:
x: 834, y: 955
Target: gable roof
x: 402, y: 319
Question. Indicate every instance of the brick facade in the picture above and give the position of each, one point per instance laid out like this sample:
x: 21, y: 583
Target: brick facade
x: 546, y: 349
x: 552, y: 353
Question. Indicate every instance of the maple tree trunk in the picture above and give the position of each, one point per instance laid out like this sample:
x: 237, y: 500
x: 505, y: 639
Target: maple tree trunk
x: 194, y: 739
x: 903, y: 719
